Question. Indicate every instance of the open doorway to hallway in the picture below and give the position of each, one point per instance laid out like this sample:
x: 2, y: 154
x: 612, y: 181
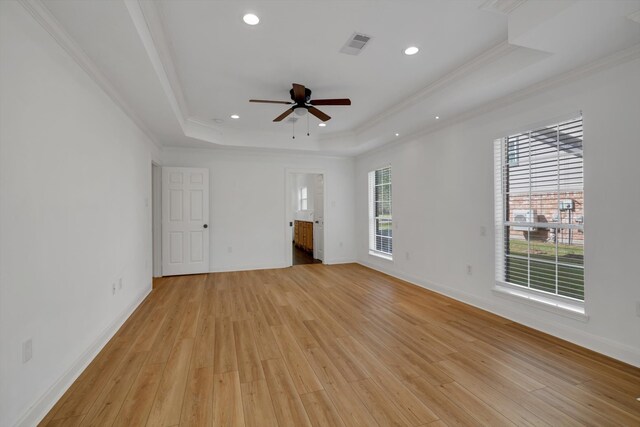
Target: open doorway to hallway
x: 307, y: 214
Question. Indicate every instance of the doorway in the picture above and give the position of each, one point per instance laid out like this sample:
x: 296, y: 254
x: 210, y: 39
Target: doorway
x: 185, y: 221
x: 306, y: 195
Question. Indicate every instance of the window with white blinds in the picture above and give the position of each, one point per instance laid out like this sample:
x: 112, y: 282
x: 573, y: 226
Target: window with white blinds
x: 380, y: 220
x: 303, y: 201
x: 540, y: 210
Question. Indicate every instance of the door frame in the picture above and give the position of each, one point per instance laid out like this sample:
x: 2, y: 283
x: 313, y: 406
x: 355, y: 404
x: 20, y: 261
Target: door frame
x: 288, y: 230
x: 206, y: 259
x: 156, y: 219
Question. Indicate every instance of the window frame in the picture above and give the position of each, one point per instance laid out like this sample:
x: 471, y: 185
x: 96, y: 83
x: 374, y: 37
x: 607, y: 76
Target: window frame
x: 303, y: 201
x: 506, y: 156
x: 373, y: 218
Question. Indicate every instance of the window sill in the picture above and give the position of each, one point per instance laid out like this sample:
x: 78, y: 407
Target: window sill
x: 563, y: 308
x: 381, y: 255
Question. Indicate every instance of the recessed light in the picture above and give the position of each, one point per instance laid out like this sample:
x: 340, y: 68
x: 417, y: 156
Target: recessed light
x: 251, y: 19
x: 397, y: 134
x: 322, y: 125
x: 235, y: 116
x: 411, y: 50
x: 437, y: 117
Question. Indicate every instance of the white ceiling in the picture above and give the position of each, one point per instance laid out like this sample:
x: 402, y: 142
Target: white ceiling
x: 179, y: 65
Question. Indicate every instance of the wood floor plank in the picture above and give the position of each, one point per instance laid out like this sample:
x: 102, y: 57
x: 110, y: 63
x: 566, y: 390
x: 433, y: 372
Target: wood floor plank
x: 67, y: 422
x: 349, y: 368
x: 336, y: 345
x: 91, y: 382
x: 265, y: 341
x: 320, y: 409
x: 167, y: 405
x: 286, y: 401
x: 301, y: 372
x: 227, y: 400
x: 105, y: 409
x: 406, y: 402
x: 197, y: 408
x: 258, y: 407
x: 383, y: 411
x: 610, y: 393
x: 446, y: 409
x: 225, y: 359
x: 351, y: 408
x: 325, y: 370
x: 135, y: 409
x: 479, y: 410
x: 249, y: 362
x: 507, y: 407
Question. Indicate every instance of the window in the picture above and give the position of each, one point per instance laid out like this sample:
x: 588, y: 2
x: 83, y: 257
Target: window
x: 380, y: 222
x: 303, y: 202
x: 540, y: 210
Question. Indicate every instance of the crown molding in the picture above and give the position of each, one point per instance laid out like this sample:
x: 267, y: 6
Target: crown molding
x: 147, y: 19
x: 50, y: 24
x: 143, y: 21
x: 258, y: 151
x: 618, y: 58
x: 504, y: 7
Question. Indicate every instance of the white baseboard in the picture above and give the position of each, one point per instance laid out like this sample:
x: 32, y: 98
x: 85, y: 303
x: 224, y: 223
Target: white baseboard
x: 246, y: 267
x: 43, y: 405
x: 269, y: 266
x: 599, y: 344
x: 340, y: 261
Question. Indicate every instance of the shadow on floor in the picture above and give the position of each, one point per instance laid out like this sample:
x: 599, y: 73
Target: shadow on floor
x: 302, y: 257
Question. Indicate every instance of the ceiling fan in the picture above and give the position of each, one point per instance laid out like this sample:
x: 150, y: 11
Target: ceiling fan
x: 302, y: 103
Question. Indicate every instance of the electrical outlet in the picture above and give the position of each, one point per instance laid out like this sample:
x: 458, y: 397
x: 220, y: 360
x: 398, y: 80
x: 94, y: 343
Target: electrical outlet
x: 27, y: 350
x: 469, y: 270
x: 120, y: 283
x: 483, y: 231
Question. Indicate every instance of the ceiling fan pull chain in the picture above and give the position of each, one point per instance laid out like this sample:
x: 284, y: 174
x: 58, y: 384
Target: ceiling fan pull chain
x: 293, y: 126
x: 307, y: 124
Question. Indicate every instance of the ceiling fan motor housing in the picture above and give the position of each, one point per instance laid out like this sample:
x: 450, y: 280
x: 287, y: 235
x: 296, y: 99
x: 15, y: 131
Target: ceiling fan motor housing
x: 307, y: 95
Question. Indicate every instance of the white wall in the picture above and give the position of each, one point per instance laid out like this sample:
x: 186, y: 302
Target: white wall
x: 248, y: 207
x: 443, y: 194
x: 74, y: 177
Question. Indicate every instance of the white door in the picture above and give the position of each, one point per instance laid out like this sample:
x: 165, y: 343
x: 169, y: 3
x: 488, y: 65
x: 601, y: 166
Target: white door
x: 185, y: 221
x: 318, y: 219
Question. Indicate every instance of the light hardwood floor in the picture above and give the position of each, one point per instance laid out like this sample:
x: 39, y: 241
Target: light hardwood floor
x: 337, y: 346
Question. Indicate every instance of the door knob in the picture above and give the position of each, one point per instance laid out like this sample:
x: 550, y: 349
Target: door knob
x: 205, y: 226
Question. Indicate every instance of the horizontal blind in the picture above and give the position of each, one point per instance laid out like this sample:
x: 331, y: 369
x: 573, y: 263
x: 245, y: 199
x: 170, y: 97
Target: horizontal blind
x: 540, y: 209
x: 380, y: 215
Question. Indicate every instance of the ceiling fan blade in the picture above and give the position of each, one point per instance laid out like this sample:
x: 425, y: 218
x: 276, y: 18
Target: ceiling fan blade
x: 341, y: 101
x: 266, y: 101
x: 283, y: 115
x: 298, y: 92
x: 319, y: 114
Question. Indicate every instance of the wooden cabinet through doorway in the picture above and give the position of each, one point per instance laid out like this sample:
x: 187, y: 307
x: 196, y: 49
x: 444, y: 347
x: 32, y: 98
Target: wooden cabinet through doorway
x: 303, y: 235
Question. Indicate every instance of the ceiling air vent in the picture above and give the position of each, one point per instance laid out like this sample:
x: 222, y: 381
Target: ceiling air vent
x: 355, y: 44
